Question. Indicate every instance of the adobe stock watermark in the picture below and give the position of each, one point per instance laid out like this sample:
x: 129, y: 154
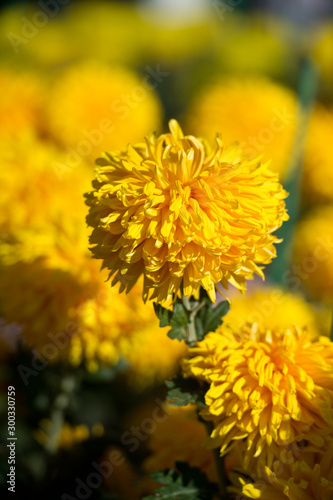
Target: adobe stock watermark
x: 30, y: 27
x: 131, y: 439
x: 121, y: 108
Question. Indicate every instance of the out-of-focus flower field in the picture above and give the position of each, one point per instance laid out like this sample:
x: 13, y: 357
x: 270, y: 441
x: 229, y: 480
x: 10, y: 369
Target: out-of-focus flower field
x: 88, y: 365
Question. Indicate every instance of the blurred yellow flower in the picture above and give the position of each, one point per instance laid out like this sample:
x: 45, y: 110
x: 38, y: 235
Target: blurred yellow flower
x: 318, y: 163
x: 20, y: 101
x: 268, y: 386
x: 309, y: 477
x: 263, y: 305
x: 254, y: 111
x: 92, y: 107
x: 313, y: 253
x: 181, y: 437
x: 152, y: 355
x: 35, y: 179
x: 56, y: 292
x: 183, y: 215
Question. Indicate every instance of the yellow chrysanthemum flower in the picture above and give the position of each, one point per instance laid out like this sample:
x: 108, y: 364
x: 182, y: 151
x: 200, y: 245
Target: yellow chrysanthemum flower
x: 313, y: 253
x: 35, y: 181
x: 228, y: 107
x: 318, y: 171
x: 92, y: 106
x: 107, y: 332
x: 20, y: 101
x: 309, y: 477
x: 152, y: 355
x: 184, y: 215
x: 270, y: 387
x: 181, y: 437
x: 50, y: 285
x: 262, y: 304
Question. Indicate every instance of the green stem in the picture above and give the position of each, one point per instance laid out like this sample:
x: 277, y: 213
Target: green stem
x: 191, y: 339
x: 219, y: 463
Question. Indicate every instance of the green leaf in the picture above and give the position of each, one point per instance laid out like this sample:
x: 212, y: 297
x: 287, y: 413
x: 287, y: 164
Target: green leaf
x: 177, y: 319
x: 173, y: 488
x: 193, y: 485
x: 210, y: 317
x: 183, y: 391
x: 179, y: 315
x: 178, y: 322
x: 214, y: 316
x: 164, y: 315
x: 179, y: 333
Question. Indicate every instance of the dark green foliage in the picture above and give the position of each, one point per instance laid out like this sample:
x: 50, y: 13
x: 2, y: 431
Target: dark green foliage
x: 183, y: 391
x: 187, y: 483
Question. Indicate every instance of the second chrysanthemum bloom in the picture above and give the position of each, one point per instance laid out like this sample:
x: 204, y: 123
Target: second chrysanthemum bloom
x: 183, y: 215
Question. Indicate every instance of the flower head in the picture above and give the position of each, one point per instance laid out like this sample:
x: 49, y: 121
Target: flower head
x: 183, y: 215
x: 308, y: 477
x: 272, y: 387
x: 92, y: 106
x: 262, y: 304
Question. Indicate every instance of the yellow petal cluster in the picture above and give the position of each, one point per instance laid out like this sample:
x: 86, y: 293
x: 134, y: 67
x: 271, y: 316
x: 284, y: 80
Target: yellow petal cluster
x: 72, y: 314
x: 262, y: 304
x: 269, y: 387
x: 254, y: 111
x: 308, y: 476
x: 49, y: 284
x: 183, y: 215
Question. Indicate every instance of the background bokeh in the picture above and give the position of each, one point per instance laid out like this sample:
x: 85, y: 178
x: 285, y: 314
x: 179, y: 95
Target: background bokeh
x: 77, y: 78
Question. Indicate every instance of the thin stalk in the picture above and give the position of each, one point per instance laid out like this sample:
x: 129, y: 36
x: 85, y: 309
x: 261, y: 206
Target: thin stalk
x: 191, y: 339
x: 219, y: 463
